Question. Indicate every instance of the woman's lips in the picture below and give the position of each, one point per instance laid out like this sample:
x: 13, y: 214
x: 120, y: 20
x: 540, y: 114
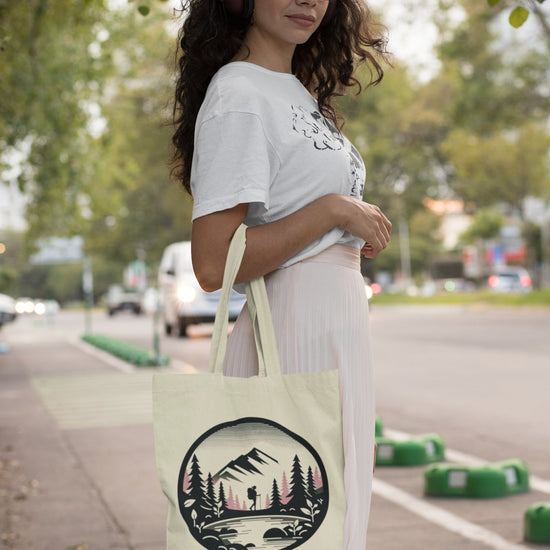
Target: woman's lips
x: 301, y: 20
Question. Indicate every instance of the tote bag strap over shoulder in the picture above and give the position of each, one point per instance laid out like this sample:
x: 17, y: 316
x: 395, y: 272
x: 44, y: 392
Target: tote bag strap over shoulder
x: 260, y: 313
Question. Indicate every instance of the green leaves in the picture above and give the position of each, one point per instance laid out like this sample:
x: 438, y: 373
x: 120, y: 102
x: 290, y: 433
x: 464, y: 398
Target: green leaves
x: 145, y: 10
x: 518, y: 16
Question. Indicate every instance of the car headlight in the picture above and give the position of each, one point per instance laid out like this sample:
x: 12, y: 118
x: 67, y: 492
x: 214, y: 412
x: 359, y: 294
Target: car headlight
x: 186, y: 294
x: 40, y: 308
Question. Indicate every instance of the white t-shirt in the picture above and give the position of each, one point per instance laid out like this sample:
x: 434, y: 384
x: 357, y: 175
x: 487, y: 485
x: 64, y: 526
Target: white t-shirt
x: 260, y: 139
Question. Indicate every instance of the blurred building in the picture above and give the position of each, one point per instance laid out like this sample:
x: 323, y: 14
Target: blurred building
x: 454, y: 221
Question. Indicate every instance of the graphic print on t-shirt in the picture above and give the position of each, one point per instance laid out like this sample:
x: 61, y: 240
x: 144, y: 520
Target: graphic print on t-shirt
x: 252, y: 483
x: 326, y: 136
x: 316, y: 127
x: 357, y: 172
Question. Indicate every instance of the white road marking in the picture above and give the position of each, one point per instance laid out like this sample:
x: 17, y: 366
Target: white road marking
x: 536, y: 483
x: 441, y: 517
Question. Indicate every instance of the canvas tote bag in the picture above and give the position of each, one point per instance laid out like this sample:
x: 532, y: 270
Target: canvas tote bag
x: 250, y: 463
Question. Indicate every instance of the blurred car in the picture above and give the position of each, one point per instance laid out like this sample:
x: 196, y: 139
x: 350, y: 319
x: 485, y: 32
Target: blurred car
x: 24, y: 305
x: 183, y: 301
x: 510, y: 279
x: 7, y: 309
x: 121, y: 299
x: 46, y: 307
x: 371, y: 289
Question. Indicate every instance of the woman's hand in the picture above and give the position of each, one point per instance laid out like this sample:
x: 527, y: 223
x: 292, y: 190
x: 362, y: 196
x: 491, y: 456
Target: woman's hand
x: 366, y: 221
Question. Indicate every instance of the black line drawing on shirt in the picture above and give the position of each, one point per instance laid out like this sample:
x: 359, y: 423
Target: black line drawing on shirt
x: 316, y: 127
x: 325, y: 135
x: 357, y: 172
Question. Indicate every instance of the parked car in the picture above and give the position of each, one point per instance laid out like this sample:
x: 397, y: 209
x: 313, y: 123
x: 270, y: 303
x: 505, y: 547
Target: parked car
x: 7, y: 309
x: 183, y: 301
x: 510, y: 279
x: 121, y: 299
x: 24, y: 305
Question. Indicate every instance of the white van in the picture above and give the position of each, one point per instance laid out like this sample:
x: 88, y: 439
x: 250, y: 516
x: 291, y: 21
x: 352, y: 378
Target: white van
x: 183, y: 302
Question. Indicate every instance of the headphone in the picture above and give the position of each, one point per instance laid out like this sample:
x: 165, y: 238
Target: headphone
x: 245, y: 8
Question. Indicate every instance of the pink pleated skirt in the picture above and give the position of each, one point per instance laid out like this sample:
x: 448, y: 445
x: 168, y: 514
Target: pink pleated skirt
x: 321, y: 319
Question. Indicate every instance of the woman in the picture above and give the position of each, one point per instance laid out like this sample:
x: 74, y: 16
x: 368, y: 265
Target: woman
x: 257, y: 141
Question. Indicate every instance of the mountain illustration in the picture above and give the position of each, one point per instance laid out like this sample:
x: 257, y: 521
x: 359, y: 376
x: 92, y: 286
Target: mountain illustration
x: 250, y: 463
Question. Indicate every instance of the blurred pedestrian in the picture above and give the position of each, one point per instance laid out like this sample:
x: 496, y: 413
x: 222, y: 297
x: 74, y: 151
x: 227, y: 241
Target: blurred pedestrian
x: 258, y: 141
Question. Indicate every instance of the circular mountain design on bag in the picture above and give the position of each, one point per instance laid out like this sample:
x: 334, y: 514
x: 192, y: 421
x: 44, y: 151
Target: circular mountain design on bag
x: 252, y: 484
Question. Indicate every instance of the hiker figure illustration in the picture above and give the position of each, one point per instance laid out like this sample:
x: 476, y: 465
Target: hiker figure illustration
x: 252, y: 495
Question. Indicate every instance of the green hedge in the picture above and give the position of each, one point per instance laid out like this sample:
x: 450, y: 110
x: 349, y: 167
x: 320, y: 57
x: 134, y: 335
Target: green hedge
x: 128, y: 352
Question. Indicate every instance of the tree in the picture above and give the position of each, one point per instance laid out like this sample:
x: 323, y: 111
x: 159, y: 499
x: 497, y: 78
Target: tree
x: 298, y: 495
x: 275, y: 497
x: 210, y: 499
x: 503, y: 167
x: 47, y: 87
x: 90, y: 115
x: 492, y: 90
x: 196, y: 483
x: 485, y: 225
x: 134, y: 192
x: 310, y: 482
x: 221, y: 498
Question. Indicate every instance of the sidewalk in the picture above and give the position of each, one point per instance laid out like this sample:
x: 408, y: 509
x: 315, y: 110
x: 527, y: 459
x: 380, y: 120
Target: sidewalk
x: 77, y: 468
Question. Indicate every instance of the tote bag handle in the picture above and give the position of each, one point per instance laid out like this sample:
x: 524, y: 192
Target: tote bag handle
x: 260, y: 313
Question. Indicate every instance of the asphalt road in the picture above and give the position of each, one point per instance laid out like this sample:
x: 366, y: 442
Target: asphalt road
x: 479, y: 377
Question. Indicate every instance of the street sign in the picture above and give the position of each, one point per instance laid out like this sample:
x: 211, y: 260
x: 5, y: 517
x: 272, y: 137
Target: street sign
x: 59, y: 250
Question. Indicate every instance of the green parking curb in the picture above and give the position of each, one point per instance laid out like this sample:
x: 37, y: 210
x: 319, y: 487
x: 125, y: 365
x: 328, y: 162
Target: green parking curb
x: 537, y: 523
x: 128, y: 352
x: 378, y: 427
x: 422, y: 449
x: 491, y: 481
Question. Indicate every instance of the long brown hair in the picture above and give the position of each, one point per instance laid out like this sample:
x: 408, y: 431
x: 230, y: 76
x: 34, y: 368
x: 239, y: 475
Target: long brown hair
x: 209, y: 38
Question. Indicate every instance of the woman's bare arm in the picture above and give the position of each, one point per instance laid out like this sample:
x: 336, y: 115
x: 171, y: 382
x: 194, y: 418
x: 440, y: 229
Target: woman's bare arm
x: 271, y: 244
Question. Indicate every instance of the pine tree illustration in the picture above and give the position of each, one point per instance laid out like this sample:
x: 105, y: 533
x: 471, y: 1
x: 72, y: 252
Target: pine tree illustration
x: 317, y: 479
x: 275, y: 497
x: 230, y: 499
x: 221, y: 498
x: 244, y: 505
x: 210, y: 494
x: 310, y: 482
x: 237, y: 503
x: 297, y: 489
x: 267, y: 502
x: 284, y: 490
x: 196, y: 484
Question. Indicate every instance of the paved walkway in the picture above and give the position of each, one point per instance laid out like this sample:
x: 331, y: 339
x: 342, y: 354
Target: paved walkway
x: 77, y: 469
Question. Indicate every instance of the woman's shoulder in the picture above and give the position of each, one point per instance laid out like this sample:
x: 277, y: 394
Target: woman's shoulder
x: 239, y: 87
x: 232, y: 90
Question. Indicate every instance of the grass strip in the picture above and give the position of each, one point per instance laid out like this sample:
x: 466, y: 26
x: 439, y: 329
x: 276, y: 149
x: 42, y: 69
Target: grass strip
x: 536, y: 298
x: 128, y: 352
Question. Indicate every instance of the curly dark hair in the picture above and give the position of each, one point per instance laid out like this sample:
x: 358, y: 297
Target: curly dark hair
x: 209, y: 38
